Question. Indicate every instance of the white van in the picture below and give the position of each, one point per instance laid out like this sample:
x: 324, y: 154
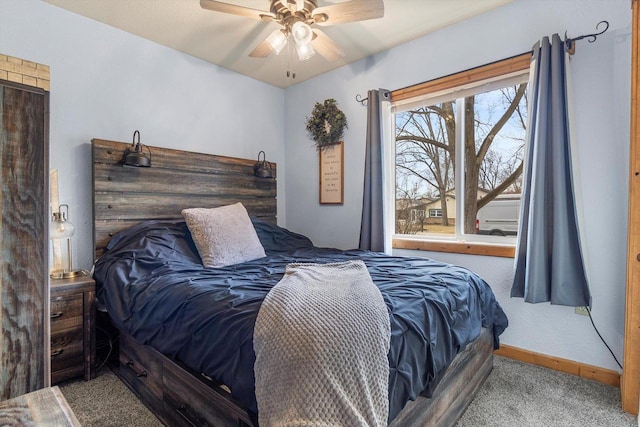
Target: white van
x: 500, y: 216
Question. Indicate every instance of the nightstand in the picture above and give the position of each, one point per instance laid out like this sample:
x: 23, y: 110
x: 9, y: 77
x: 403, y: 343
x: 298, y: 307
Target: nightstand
x: 73, y: 333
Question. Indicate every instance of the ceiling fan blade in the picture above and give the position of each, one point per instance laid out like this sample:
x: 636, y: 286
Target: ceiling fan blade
x: 325, y: 46
x: 261, y: 51
x: 233, y: 9
x: 349, y: 11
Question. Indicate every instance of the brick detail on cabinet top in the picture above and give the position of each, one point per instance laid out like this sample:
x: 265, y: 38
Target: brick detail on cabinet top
x: 26, y: 72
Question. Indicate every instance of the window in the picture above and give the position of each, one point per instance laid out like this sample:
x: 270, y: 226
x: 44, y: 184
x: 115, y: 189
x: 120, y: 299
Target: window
x: 417, y: 214
x: 459, y: 149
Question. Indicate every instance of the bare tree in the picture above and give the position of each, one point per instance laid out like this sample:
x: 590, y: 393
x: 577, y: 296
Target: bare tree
x: 425, y: 148
x: 407, y: 198
x: 425, y: 144
x: 496, y: 168
x: 477, y: 145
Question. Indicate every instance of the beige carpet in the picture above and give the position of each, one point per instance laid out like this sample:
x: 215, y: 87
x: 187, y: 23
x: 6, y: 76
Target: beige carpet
x: 106, y: 402
x: 523, y: 395
x: 515, y: 394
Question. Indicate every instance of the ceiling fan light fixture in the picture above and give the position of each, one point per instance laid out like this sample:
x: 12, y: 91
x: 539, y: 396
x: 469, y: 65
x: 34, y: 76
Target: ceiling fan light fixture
x: 277, y: 41
x: 305, y: 51
x: 302, y: 33
x: 296, y: 18
x: 293, y: 5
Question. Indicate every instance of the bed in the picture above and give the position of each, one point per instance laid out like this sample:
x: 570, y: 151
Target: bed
x: 185, y: 330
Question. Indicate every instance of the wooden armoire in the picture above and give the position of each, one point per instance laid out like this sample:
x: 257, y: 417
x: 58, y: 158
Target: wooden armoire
x: 24, y: 285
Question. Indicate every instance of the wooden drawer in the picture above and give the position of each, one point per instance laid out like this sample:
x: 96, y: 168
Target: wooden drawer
x: 189, y: 402
x: 66, y: 313
x: 67, y: 350
x: 67, y: 340
x: 72, y: 333
x: 141, y: 369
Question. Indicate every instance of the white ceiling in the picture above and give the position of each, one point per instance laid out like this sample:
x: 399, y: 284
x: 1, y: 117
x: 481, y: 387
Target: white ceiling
x: 226, y: 40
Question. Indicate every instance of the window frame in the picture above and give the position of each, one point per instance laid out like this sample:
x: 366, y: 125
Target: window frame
x: 468, y: 244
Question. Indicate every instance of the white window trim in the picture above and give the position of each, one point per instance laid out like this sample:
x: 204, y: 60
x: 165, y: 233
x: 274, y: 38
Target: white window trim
x: 459, y: 93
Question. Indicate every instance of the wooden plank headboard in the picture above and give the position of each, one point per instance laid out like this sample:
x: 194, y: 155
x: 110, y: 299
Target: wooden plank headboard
x: 124, y: 196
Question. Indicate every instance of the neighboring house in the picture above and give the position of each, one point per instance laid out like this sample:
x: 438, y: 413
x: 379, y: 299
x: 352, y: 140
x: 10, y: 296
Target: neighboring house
x: 430, y: 208
x: 433, y: 209
x: 410, y: 213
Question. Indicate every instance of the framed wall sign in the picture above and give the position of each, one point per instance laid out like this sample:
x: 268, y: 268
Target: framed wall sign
x: 332, y: 174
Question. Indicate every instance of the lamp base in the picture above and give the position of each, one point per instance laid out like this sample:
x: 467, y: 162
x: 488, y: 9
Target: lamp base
x: 67, y: 274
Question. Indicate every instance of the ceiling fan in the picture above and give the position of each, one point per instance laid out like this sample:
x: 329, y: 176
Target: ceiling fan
x: 299, y: 19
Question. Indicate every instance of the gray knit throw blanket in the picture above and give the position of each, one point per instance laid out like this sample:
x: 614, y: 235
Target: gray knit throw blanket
x: 321, y: 341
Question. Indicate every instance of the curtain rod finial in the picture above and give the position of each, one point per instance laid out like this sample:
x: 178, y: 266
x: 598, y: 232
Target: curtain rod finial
x: 570, y: 42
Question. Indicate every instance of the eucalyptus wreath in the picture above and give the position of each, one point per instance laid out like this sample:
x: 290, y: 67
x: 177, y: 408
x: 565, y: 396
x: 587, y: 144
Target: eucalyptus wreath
x: 327, y: 123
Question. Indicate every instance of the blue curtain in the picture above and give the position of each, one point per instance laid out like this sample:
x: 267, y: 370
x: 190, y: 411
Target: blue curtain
x: 549, y: 263
x: 372, y: 224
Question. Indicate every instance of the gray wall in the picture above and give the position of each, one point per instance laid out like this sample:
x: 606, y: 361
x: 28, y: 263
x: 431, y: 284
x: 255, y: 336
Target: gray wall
x: 601, y: 82
x: 106, y: 83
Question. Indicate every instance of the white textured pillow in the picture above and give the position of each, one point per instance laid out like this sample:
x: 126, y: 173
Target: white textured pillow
x: 223, y: 236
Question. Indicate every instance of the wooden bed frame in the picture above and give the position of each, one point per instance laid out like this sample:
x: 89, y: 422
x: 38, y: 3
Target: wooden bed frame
x: 124, y: 196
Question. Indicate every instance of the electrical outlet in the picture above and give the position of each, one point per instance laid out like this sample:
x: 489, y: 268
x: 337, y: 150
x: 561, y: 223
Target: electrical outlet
x: 582, y: 310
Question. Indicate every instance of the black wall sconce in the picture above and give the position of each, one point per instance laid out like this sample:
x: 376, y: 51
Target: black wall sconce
x: 262, y: 168
x: 135, y: 155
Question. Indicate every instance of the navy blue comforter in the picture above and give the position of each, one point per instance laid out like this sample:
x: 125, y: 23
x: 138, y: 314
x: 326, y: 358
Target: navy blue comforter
x: 155, y: 288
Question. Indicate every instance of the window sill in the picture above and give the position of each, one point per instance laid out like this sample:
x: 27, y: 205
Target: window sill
x: 468, y: 248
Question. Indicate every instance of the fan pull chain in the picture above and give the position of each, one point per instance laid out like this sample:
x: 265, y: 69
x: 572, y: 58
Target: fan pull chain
x: 288, y: 55
x: 291, y: 69
x: 294, y: 58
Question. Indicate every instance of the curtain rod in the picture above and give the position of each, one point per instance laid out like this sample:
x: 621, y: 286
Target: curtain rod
x: 569, y: 43
x: 363, y: 101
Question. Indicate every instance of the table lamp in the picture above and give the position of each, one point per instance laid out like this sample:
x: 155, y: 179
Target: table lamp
x: 61, y: 229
